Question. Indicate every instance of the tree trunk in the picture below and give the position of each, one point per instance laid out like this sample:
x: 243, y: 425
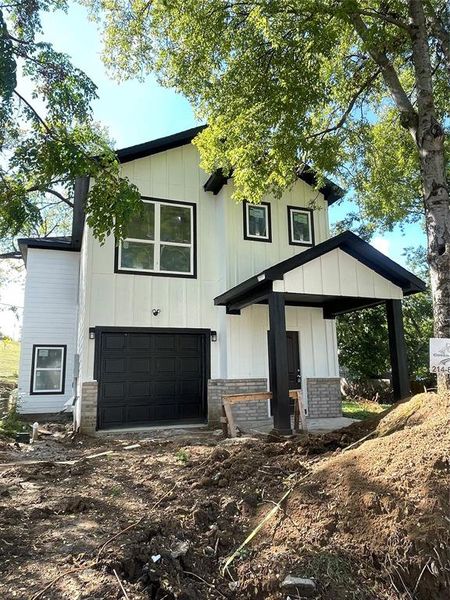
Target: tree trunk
x: 430, y: 143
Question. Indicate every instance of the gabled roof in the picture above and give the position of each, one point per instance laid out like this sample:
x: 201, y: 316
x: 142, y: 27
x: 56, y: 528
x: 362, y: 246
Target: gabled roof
x: 331, y: 191
x: 347, y: 242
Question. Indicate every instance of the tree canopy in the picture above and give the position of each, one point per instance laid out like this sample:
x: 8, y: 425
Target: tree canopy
x: 48, y: 136
x: 283, y: 85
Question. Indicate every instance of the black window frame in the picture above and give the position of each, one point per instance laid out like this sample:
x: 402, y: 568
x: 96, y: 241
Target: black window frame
x: 61, y: 391
x: 193, y: 275
x: 310, y: 212
x: 256, y: 238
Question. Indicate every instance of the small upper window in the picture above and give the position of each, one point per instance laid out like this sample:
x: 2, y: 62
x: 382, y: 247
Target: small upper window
x: 160, y: 241
x: 47, y: 375
x: 257, y: 224
x: 301, y: 228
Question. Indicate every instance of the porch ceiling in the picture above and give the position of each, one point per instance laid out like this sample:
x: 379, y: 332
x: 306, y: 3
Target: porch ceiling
x: 335, y: 294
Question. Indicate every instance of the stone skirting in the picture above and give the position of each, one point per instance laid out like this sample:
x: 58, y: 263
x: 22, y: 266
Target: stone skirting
x: 248, y: 414
x: 88, y: 408
x: 324, y: 397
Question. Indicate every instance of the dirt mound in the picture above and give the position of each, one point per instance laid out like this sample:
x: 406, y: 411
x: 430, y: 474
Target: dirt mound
x: 370, y: 523
x: 378, y: 513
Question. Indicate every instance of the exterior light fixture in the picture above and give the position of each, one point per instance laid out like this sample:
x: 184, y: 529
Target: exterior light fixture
x: 214, y: 336
x: 156, y: 311
x: 92, y: 333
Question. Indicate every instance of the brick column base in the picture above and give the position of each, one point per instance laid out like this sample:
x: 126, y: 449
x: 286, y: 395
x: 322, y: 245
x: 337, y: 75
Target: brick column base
x: 88, y: 412
x: 324, y: 397
x: 248, y: 414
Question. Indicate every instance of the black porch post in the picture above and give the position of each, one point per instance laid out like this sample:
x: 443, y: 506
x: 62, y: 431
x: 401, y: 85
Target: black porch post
x: 397, y: 349
x: 279, y: 377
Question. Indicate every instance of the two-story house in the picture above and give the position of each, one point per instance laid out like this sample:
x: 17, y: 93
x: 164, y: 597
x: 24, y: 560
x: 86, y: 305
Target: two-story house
x: 206, y: 296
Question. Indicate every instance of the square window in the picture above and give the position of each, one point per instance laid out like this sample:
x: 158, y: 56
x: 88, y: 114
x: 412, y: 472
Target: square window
x: 161, y: 241
x: 301, y: 228
x: 47, y: 376
x: 257, y: 225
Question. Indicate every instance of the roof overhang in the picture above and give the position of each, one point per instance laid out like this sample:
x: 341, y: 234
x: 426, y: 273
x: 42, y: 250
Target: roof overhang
x: 257, y: 289
x: 331, y: 191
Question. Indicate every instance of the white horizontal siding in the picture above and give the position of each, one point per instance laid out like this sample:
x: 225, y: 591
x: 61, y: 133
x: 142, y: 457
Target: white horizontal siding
x: 49, y: 317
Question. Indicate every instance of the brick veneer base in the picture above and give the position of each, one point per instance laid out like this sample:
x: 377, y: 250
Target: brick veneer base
x: 248, y: 414
x: 88, y: 413
x: 324, y: 397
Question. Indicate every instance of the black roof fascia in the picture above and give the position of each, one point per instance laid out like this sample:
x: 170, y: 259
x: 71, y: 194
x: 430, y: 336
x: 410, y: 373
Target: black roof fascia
x: 349, y: 243
x: 160, y: 145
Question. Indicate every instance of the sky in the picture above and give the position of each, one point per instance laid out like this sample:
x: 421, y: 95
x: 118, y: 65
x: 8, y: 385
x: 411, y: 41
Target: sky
x: 136, y: 112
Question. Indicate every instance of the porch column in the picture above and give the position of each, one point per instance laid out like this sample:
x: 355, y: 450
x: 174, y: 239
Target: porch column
x: 397, y: 349
x: 278, y: 365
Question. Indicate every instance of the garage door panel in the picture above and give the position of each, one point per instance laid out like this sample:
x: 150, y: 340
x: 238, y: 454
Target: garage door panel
x: 164, y: 343
x: 139, y: 365
x: 113, y: 391
x: 139, y: 341
x: 189, y: 343
x: 114, y: 366
x: 114, y: 341
x: 112, y: 416
x: 139, y: 389
x: 148, y: 378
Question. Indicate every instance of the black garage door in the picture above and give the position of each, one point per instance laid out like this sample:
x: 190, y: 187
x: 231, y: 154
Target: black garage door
x: 150, y: 377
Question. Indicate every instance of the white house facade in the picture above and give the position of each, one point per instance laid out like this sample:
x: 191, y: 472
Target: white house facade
x: 204, y: 297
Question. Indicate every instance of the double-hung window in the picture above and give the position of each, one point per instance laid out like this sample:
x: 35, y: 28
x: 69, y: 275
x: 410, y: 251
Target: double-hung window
x: 160, y: 240
x: 257, y: 225
x: 301, y: 226
x: 47, y: 376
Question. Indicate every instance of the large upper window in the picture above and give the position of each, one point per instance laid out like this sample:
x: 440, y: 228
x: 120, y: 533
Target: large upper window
x: 47, y: 375
x: 160, y: 241
x: 301, y: 228
x: 257, y: 224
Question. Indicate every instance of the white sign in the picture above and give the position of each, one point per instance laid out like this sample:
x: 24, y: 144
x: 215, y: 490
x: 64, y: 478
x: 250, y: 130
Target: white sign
x: 440, y: 355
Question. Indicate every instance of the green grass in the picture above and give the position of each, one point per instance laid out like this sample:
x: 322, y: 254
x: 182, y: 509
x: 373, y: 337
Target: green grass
x: 9, y: 360
x: 362, y: 410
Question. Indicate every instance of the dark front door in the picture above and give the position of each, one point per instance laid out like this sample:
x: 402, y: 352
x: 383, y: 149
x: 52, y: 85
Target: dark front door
x: 293, y: 357
x: 149, y: 377
x: 293, y: 360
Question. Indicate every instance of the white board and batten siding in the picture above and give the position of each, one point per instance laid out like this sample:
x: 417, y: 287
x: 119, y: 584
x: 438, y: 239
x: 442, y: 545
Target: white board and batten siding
x: 224, y: 259
x: 338, y: 274
x: 49, y: 318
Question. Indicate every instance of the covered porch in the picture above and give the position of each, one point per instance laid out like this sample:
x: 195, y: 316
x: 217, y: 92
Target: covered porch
x: 340, y: 275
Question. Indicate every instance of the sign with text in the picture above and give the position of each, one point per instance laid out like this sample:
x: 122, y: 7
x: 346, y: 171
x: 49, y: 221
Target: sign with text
x: 440, y: 355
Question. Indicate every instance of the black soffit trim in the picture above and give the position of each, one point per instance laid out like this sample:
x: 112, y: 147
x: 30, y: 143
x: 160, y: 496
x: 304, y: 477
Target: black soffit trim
x: 331, y: 191
x: 347, y: 242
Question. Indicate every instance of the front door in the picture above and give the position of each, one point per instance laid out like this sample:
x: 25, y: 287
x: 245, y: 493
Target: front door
x: 293, y: 358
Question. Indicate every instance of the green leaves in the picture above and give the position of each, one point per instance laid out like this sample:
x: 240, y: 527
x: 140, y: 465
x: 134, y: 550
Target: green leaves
x: 284, y: 84
x: 49, y: 139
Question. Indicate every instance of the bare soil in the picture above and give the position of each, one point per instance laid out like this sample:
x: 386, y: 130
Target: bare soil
x: 159, y: 521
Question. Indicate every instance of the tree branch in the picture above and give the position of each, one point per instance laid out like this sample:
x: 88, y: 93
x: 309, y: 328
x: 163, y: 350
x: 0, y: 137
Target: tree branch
x: 350, y: 106
x: 38, y: 117
x: 374, y: 14
x: 408, y: 115
x: 53, y: 192
x: 439, y: 30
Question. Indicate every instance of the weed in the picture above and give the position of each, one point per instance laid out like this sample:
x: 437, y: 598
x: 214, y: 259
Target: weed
x: 182, y: 456
x: 10, y: 423
x: 115, y: 491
